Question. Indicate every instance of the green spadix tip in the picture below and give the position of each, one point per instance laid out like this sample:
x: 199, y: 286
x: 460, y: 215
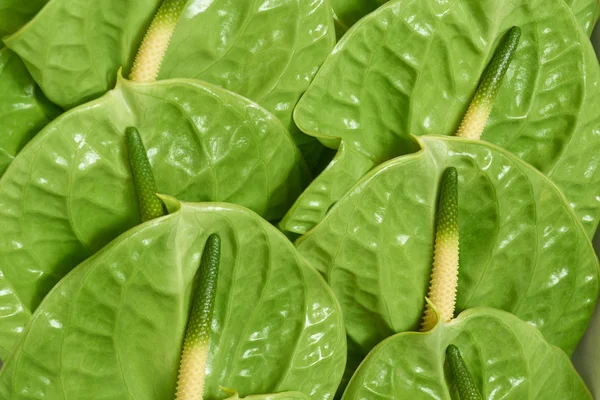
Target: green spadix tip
x: 479, y: 110
x: 467, y: 390
x: 145, y: 186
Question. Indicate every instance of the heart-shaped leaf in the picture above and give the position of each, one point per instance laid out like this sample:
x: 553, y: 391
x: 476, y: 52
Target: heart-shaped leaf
x: 74, y: 48
x: 521, y: 247
x: 507, y: 358
x: 411, y: 67
x: 266, y: 51
x: 23, y: 108
x: 70, y: 191
x: 115, y: 325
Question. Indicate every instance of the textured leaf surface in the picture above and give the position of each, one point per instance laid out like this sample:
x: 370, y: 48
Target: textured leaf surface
x: 521, y: 247
x: 508, y: 360
x: 70, y: 191
x: 347, y: 12
x: 266, y: 51
x: 586, y: 12
x: 115, y: 325
x: 23, y: 108
x: 74, y: 48
x: 413, y: 66
x: 15, y: 13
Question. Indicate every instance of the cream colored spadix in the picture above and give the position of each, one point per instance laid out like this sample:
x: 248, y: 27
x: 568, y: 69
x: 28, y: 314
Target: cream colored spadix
x: 479, y: 110
x: 444, y: 276
x: 154, y: 46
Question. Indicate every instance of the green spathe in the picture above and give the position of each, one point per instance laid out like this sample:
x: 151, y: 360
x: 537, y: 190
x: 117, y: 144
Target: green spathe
x: 522, y: 248
x: 267, y: 53
x: 379, y: 86
x: 70, y: 191
x: 23, y: 108
x: 115, y: 325
x: 508, y: 359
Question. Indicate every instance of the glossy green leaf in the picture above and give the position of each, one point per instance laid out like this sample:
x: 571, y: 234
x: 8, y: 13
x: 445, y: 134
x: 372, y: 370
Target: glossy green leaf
x: 411, y: 67
x: 586, y: 12
x: 115, y: 325
x: 23, y: 108
x: 347, y: 12
x: 508, y: 359
x: 16, y: 13
x: 266, y: 51
x: 521, y: 247
x: 70, y: 191
x: 74, y: 48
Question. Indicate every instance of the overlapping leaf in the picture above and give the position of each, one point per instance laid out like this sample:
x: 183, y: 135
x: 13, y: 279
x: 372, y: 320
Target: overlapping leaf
x: 70, y: 191
x: 521, y: 247
x: 16, y: 13
x: 347, y: 12
x: 266, y: 51
x: 115, y: 325
x: 586, y: 12
x: 413, y: 66
x: 508, y: 359
x: 23, y: 108
x: 74, y: 48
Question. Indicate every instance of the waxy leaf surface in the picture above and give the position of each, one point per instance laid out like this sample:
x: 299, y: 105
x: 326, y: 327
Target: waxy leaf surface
x: 412, y: 67
x: 507, y: 358
x: 23, y: 108
x: 115, y: 325
x: 74, y: 48
x: 347, y: 12
x: 521, y: 247
x: 70, y: 191
x: 586, y: 12
x: 266, y: 51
